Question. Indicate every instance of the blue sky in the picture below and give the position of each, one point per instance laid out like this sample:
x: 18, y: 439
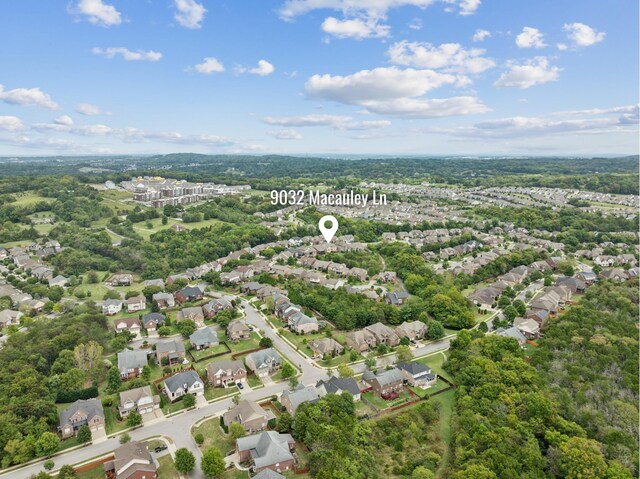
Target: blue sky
x: 415, y: 77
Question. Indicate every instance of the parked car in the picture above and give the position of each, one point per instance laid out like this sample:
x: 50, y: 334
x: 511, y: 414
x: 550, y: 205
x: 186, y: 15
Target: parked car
x: 160, y: 448
x: 240, y: 385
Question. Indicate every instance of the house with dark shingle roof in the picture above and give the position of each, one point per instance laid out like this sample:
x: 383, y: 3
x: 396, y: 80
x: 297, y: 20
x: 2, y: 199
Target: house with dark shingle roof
x: 185, y: 382
x: 335, y: 385
x: 264, y: 362
x: 130, y: 363
x: 384, y: 382
x: 267, y: 450
x: 203, y: 338
x: 417, y: 374
x: 81, y: 412
x: 293, y: 398
x: 173, y: 349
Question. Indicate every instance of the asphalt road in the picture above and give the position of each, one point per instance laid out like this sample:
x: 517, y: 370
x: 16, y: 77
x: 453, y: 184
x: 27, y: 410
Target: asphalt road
x: 178, y: 427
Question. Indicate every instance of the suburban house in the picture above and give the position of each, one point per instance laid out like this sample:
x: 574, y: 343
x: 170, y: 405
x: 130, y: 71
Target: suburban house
x: 237, y: 330
x: 385, y: 383
x: 293, y: 398
x: 83, y: 411
x: 194, y: 314
x: 9, y: 317
x: 397, y: 298
x: 111, y: 306
x: 335, y: 385
x: 136, y: 303
x: 153, y: 321
x: 121, y: 279
x: 59, y: 281
x: 130, y: 363
x: 203, y: 338
x: 131, y: 461
x: 214, y: 307
x: 172, y: 349
x: 383, y: 334
x: 164, y: 300
x: 323, y: 346
x: 529, y: 327
x: 140, y: 399
x: 267, y: 450
x: 361, y: 340
x: 512, y: 332
x: 264, y: 362
x: 226, y: 372
x: 250, y: 414
x: 188, y: 293
x: 412, y: 329
x: 417, y: 374
x: 128, y: 324
x: 301, y: 323
x: 185, y: 382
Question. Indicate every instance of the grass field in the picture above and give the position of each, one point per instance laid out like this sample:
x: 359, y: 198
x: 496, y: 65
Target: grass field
x: 167, y: 468
x: 213, y: 435
x: 28, y: 198
x: 435, y: 362
x: 93, y: 473
x: 446, y: 403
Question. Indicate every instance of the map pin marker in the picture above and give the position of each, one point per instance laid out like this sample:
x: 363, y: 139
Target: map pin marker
x: 328, y: 232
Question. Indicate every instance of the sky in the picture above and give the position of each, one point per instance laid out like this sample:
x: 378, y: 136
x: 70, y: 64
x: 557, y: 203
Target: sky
x: 314, y: 77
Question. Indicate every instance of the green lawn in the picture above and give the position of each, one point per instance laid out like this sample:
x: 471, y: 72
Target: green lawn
x: 438, y: 386
x: 111, y: 420
x: 252, y: 343
x: 28, y: 198
x: 234, y: 473
x: 211, y: 393
x: 205, y: 353
x: 93, y: 473
x: 375, y: 400
x: 446, y: 403
x: 214, y: 436
x: 167, y: 468
x: 435, y: 362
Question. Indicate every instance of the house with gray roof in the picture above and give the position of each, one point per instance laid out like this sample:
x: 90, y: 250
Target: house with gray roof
x: 226, y: 372
x: 267, y: 450
x: 203, y: 338
x: 153, y: 321
x: 185, y: 382
x: 264, y: 362
x: 512, y: 332
x: 323, y: 346
x: 81, y: 412
x: 171, y: 349
x: 384, y: 383
x: 130, y: 363
x: 412, y: 329
x: 139, y: 399
x: 250, y: 414
x: 293, y: 398
x: 335, y: 385
x: 417, y: 374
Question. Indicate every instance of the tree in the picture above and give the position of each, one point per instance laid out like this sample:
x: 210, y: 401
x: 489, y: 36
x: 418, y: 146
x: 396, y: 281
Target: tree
x: 47, y: 444
x: 199, y: 438
x: 580, y: 458
x: 345, y: 371
x: 189, y: 400
x: 134, y: 419
x: 476, y: 471
x: 422, y: 472
x: 293, y: 382
x: 66, y: 472
x: 266, y: 342
x: 185, y: 460
x: 84, y: 434
x: 187, y: 328
x: 287, y: 371
x: 284, y: 423
x: 164, y: 331
x: 114, y: 381
x: 370, y: 362
x: 353, y: 355
x: 212, y: 463
x: 510, y: 313
x: 48, y: 465
x: 236, y: 430
x: 436, y: 330
x: 87, y: 355
x: 125, y: 438
x: 404, y: 353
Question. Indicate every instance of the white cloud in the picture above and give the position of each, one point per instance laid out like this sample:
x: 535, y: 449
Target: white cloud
x: 469, y: 7
x: 10, y: 123
x: 208, y: 66
x: 481, y: 35
x: 561, y: 46
x: 533, y: 72
x: 530, y: 38
x: 28, y: 97
x: 393, y: 91
x: 415, y: 24
x: 285, y: 135
x: 451, y: 57
x: 263, y: 69
x: 619, y: 119
x: 189, y: 13
x: 128, y: 55
x: 337, y: 122
x: 89, y: 110
x: 97, y: 12
x: 582, y: 35
x: 65, y: 120
x: 355, y: 28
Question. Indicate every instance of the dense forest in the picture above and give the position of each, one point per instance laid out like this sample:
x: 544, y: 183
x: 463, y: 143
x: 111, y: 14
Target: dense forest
x: 575, y: 416
x: 608, y: 175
